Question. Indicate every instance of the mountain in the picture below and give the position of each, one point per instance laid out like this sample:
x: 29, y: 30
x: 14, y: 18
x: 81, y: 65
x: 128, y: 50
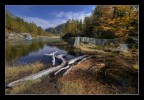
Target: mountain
x: 16, y: 24
x: 50, y: 29
x: 10, y: 14
x: 58, y: 29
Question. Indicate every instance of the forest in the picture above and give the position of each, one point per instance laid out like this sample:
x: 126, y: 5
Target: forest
x: 17, y: 24
x: 105, y: 22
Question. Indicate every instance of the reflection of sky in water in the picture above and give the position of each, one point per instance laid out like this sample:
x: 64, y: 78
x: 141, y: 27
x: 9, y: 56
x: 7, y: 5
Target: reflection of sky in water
x: 39, y: 56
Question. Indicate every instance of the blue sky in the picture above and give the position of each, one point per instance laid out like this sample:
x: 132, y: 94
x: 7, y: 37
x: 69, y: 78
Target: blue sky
x: 50, y: 15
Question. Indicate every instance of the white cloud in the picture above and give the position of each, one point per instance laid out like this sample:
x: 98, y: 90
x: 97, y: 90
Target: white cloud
x: 71, y: 15
x: 44, y: 23
x: 60, y: 17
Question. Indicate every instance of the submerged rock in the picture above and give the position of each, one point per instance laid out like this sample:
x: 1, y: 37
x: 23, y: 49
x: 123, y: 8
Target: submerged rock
x: 19, y: 36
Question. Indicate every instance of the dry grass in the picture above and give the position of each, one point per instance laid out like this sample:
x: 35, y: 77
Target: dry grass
x: 90, y: 48
x: 23, y: 88
x: 71, y: 87
x: 14, y: 73
x: 108, y: 74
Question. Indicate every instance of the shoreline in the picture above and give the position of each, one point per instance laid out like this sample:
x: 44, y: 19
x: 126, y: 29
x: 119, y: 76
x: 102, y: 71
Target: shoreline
x: 57, y: 37
x: 85, y: 78
x: 46, y: 37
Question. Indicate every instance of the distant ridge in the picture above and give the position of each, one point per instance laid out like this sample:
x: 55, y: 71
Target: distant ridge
x: 56, y: 30
x: 10, y: 14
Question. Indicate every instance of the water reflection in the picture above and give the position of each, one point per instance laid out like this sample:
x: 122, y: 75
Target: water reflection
x: 25, y: 52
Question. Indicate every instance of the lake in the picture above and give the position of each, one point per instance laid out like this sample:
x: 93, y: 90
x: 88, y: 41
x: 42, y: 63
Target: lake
x: 26, y: 52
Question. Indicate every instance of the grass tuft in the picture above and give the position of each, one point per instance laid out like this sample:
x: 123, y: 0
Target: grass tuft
x: 71, y: 87
x: 14, y: 73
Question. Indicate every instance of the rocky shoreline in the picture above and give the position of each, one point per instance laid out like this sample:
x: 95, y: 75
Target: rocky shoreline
x: 19, y: 36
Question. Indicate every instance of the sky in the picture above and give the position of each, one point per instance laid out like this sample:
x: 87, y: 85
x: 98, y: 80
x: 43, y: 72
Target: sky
x: 47, y: 16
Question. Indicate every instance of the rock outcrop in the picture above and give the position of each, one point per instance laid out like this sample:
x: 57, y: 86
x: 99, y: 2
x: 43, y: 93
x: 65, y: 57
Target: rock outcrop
x: 78, y: 40
x: 19, y: 36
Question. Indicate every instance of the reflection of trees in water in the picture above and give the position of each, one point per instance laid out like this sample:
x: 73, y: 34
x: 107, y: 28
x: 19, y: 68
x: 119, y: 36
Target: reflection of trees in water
x: 70, y: 50
x: 15, y: 50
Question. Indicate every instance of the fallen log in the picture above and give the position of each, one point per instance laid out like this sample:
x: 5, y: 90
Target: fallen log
x: 70, y: 62
x: 84, y: 59
x: 56, y: 69
x: 68, y: 70
x: 39, y: 74
x: 61, y: 69
x: 53, y: 56
x: 76, y: 64
x: 76, y: 59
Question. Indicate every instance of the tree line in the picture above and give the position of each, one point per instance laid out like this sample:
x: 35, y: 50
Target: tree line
x: 106, y: 21
x: 16, y: 24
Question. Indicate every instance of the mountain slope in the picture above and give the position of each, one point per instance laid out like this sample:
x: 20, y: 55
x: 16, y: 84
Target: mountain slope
x: 10, y: 14
x: 58, y: 29
x: 16, y: 24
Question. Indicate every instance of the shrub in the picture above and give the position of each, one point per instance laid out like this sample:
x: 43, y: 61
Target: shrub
x: 107, y: 35
x: 129, y: 40
x: 131, y: 43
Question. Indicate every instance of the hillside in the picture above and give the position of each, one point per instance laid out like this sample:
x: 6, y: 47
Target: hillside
x: 16, y: 24
x: 106, y: 22
x: 10, y: 14
x: 57, y: 30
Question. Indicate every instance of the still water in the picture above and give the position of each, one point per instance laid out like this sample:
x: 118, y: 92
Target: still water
x: 26, y: 52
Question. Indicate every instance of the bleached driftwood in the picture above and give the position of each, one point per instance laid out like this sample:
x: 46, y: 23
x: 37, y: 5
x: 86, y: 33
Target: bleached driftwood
x: 76, y: 64
x: 76, y: 59
x: 53, y: 56
x: 39, y: 74
x: 84, y: 59
x: 70, y: 62
x: 68, y: 70
x: 48, y: 71
x: 61, y: 69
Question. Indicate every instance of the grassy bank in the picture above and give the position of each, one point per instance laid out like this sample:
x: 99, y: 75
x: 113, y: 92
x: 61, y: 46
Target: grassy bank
x: 110, y: 73
x: 15, y: 73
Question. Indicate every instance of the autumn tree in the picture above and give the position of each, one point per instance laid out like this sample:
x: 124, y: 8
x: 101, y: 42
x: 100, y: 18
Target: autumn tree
x: 112, y: 21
